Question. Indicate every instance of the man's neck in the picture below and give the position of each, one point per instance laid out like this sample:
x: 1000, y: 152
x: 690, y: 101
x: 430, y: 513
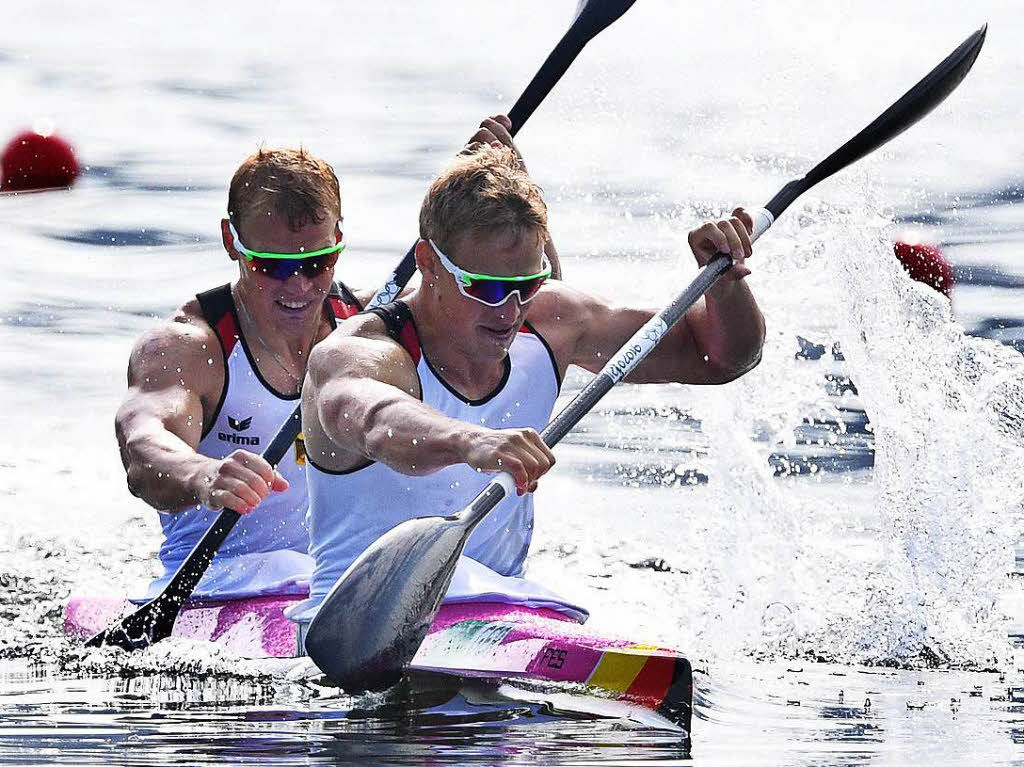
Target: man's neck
x: 291, y: 344
x: 474, y: 376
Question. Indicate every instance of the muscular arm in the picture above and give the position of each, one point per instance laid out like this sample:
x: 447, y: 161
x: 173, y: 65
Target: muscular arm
x: 361, y: 399
x: 173, y: 371
x: 719, y: 338
x: 160, y: 422
x: 364, y: 393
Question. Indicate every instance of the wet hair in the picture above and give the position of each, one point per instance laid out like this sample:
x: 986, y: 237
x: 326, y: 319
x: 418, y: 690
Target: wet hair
x: 291, y: 182
x: 483, y: 192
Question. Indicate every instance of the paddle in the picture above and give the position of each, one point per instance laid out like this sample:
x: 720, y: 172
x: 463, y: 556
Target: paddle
x: 155, y: 619
x: 592, y: 16
x: 375, y: 617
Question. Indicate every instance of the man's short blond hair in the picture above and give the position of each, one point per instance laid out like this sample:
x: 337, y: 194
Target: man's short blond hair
x: 484, y: 192
x: 290, y: 182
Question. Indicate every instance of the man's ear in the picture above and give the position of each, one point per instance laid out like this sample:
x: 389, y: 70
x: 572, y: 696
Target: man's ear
x: 228, y: 240
x: 426, y: 260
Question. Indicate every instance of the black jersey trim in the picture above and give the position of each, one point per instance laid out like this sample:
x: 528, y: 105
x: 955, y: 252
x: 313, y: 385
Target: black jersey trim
x: 214, y: 304
x: 551, y: 355
x: 338, y: 472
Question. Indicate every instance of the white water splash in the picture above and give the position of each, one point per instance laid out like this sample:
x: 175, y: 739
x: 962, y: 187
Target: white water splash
x: 945, y: 492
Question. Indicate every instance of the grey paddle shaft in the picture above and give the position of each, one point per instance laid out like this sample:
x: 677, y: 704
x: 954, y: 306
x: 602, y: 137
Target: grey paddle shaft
x: 621, y: 365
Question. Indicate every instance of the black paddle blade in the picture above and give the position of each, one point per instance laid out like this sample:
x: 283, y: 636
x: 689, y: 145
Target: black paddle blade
x: 155, y: 619
x: 592, y: 16
x: 931, y: 91
x: 375, y: 618
x: 149, y: 624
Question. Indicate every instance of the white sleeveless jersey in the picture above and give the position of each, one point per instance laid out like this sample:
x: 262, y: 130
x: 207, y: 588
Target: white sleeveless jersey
x: 266, y: 552
x: 349, y: 510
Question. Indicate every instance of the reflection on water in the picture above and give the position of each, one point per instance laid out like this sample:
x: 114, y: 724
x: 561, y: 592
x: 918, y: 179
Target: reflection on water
x: 804, y: 714
x: 206, y: 719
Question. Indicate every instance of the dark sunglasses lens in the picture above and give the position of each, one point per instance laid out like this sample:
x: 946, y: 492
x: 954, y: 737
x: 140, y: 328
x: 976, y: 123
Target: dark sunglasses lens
x: 528, y: 289
x: 283, y: 268
x: 495, y: 291
x: 314, y: 267
x: 488, y: 291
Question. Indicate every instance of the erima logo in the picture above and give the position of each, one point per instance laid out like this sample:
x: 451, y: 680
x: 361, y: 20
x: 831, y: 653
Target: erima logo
x: 237, y: 439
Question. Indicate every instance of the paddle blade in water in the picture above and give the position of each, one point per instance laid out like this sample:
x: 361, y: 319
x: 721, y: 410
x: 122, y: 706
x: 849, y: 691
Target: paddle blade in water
x: 149, y: 624
x: 374, y: 620
x: 931, y: 91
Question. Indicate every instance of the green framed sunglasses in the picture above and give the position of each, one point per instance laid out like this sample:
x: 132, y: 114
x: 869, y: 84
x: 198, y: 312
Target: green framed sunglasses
x: 491, y: 289
x: 281, y: 266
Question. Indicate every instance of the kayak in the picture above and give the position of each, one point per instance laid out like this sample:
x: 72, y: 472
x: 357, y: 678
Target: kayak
x: 480, y: 640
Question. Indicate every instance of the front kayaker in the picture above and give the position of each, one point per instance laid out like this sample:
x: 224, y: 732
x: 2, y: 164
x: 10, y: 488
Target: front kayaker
x: 404, y: 407
x: 210, y: 388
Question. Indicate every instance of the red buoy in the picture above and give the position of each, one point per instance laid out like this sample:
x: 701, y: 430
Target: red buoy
x: 926, y: 264
x: 34, y: 161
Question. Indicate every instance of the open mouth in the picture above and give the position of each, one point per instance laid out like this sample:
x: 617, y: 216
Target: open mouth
x: 292, y: 307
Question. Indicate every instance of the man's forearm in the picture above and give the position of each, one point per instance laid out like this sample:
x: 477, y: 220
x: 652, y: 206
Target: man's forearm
x: 733, y: 333
x: 413, y: 438
x: 163, y: 471
x: 401, y: 432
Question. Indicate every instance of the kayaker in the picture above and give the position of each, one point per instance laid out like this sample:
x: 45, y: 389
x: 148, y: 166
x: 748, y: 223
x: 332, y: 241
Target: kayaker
x: 209, y: 389
x: 404, y: 407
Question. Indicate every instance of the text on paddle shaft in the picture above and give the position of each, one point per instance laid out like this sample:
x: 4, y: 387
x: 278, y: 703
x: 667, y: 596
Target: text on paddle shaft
x: 623, y: 364
x: 638, y: 347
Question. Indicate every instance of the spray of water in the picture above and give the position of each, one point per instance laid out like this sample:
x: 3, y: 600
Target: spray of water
x: 922, y: 586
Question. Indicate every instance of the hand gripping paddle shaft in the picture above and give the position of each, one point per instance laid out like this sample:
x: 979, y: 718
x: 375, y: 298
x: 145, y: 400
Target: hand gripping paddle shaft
x: 375, y: 617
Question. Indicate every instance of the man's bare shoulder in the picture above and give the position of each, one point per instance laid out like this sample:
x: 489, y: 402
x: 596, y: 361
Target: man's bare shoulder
x: 558, y: 309
x: 183, y: 343
x: 360, y: 347
x: 556, y: 300
x: 363, y: 326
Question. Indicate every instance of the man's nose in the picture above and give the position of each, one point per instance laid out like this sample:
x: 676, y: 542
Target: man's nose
x: 299, y: 281
x: 512, y: 308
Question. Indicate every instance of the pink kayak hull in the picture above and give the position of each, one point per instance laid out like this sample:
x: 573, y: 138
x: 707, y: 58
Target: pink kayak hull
x: 478, y: 639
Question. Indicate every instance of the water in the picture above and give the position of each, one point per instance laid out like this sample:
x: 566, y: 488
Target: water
x: 816, y: 515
